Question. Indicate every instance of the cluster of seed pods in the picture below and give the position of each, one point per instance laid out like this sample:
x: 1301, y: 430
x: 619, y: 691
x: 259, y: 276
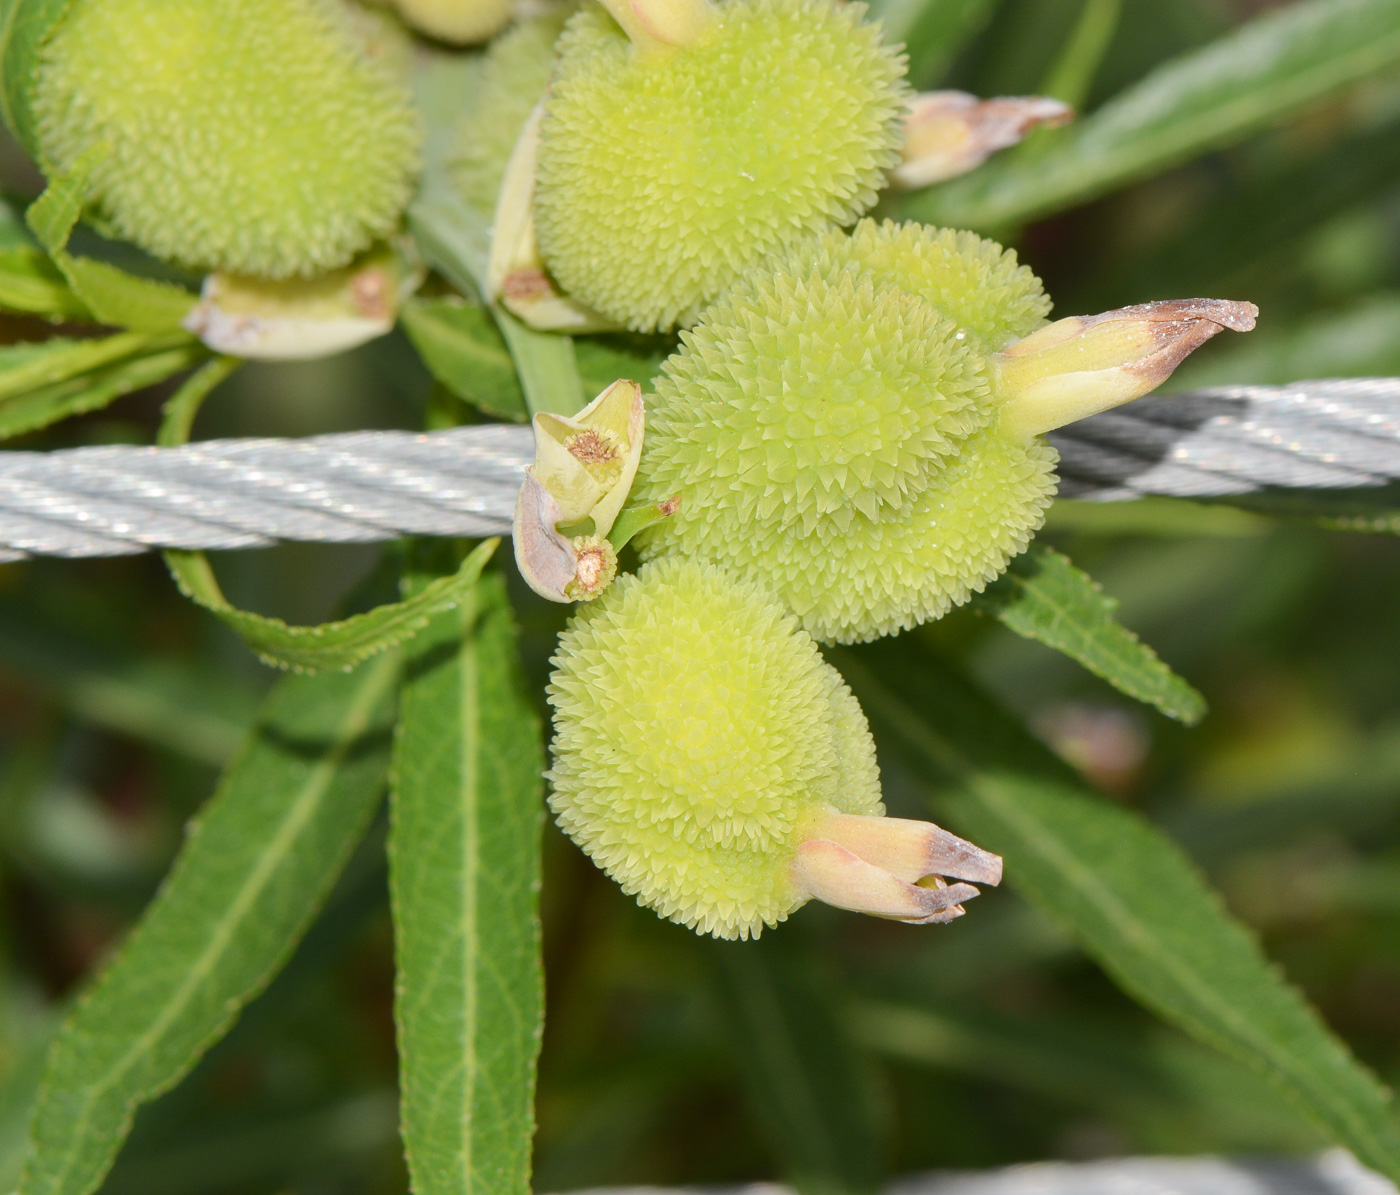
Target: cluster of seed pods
x: 847, y: 442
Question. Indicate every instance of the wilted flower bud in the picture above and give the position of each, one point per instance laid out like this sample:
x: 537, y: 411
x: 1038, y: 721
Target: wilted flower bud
x: 253, y: 137
x: 296, y: 319
x: 948, y: 133
x: 516, y: 275
x: 583, y: 472
x: 712, y: 763
x: 1080, y: 366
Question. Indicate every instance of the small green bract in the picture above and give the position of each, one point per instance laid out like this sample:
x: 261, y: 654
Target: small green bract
x: 661, y: 180
x: 249, y: 136
x: 698, y: 735
x: 831, y: 431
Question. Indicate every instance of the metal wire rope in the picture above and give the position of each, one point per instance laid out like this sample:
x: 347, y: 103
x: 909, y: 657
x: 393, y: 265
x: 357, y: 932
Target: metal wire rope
x: 364, y: 486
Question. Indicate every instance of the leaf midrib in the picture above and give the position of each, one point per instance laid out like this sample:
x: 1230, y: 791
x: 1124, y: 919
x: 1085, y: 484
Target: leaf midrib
x: 469, y: 664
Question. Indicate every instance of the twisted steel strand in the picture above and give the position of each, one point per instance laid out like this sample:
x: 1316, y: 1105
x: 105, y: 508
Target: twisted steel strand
x: 364, y: 486
x: 1335, y: 435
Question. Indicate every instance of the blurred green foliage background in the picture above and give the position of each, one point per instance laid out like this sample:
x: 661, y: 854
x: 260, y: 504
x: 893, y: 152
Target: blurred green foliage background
x: 986, y: 1042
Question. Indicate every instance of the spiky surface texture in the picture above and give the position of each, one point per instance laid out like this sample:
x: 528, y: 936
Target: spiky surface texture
x: 831, y: 432
x: 660, y: 182
x: 509, y: 83
x: 697, y: 735
x: 250, y: 136
x: 462, y: 22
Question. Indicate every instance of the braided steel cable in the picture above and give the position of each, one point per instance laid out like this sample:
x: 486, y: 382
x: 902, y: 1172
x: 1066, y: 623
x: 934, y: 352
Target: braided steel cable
x: 1333, y: 435
x: 349, y: 488
x: 364, y: 486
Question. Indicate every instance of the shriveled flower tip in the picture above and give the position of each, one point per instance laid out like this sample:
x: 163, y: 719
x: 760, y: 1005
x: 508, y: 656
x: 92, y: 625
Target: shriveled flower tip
x: 660, y: 180
x: 249, y: 136
x: 583, y: 471
x: 831, y: 429
x: 698, y: 737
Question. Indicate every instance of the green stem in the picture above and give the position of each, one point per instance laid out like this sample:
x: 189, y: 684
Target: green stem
x: 545, y: 362
x: 177, y: 416
x: 632, y: 519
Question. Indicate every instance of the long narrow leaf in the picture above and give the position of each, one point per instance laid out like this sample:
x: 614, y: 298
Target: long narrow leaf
x: 1126, y: 891
x: 1198, y: 103
x: 30, y: 282
x: 255, y: 868
x: 330, y: 645
x: 464, y: 854
x: 94, y: 390
x: 1043, y: 596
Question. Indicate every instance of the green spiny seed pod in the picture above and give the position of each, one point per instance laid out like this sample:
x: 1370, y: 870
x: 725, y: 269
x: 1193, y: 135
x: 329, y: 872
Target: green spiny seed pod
x: 510, y: 82
x: 712, y: 763
x: 666, y: 171
x: 831, y: 429
x: 248, y: 136
x: 698, y: 735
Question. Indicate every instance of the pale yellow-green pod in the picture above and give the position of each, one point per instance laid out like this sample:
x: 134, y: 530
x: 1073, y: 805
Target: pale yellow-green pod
x: 857, y: 424
x: 251, y: 137
x: 712, y: 763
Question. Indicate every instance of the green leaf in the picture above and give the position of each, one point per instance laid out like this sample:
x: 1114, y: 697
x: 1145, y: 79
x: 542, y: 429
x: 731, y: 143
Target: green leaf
x: 1126, y: 891
x: 24, y: 27
x: 126, y: 300
x: 1043, y: 596
x: 545, y: 362
x: 1166, y: 1092
x: 331, y: 645
x: 157, y: 359
x: 463, y: 349
x: 30, y: 282
x: 111, y: 294
x: 53, y: 216
x: 807, y: 1089
x: 30, y: 365
x: 1200, y: 102
x: 464, y: 855
x: 254, y: 870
